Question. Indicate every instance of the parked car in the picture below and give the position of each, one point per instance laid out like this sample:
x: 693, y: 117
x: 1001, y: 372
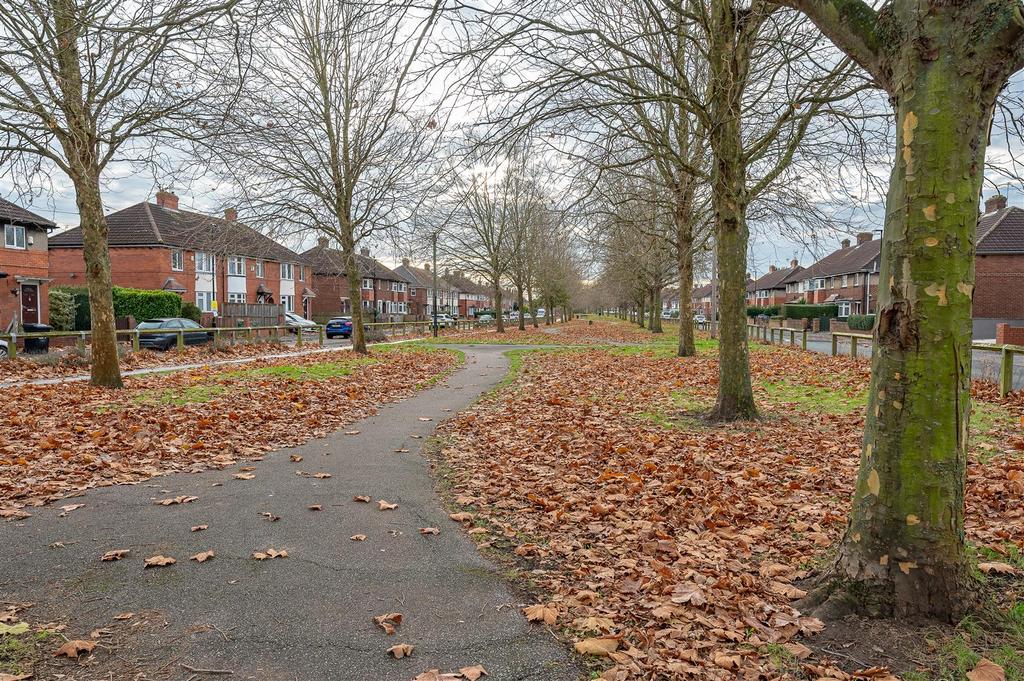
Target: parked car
x: 339, y: 326
x: 295, y: 323
x: 487, y: 319
x: 444, y: 321
x: 3, y: 349
x: 193, y: 333
x: 700, y: 318
x: 541, y: 313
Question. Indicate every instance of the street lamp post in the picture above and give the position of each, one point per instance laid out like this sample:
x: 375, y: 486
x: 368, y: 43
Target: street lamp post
x: 433, y: 271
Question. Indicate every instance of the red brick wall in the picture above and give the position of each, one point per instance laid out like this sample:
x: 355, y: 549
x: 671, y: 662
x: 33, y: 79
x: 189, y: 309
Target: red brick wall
x: 1009, y: 335
x: 329, y: 292
x: 999, y: 287
x: 23, y: 263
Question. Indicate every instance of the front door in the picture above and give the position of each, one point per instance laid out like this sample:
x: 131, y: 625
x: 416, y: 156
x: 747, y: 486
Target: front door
x: 29, y: 304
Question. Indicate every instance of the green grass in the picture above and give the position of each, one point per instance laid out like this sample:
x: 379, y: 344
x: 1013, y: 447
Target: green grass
x: 18, y: 652
x: 813, y: 399
x: 307, y: 372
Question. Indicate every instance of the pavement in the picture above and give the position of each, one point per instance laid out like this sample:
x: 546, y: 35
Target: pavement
x: 305, y: 617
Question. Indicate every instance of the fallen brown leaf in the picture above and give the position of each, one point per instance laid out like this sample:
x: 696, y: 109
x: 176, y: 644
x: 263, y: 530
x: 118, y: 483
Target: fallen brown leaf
x: 75, y: 648
x: 203, y: 556
x: 116, y: 554
x: 401, y: 650
x: 159, y: 561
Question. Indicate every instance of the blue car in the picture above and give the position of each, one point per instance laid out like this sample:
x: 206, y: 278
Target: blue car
x: 339, y: 326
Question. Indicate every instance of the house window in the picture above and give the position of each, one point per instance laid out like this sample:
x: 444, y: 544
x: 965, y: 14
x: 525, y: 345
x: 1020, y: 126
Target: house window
x: 856, y: 279
x: 14, y: 236
x: 302, y: 273
x: 844, y: 308
x: 178, y: 260
x: 367, y: 305
x: 204, y: 262
x: 286, y: 271
x: 398, y: 287
x: 819, y: 284
x: 367, y: 284
x: 236, y: 266
x: 204, y: 299
x: 846, y: 280
x: 236, y: 297
x: 258, y: 268
x: 288, y: 302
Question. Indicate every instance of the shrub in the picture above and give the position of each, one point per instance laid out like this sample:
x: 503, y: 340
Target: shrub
x: 138, y: 303
x: 62, y: 310
x: 796, y: 311
x: 190, y: 310
x: 80, y: 297
x: 770, y: 310
x: 861, y: 322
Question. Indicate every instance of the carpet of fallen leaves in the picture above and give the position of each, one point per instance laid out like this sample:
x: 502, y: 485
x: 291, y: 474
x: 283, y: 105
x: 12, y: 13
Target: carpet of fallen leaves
x: 59, y: 439
x: 574, y: 332
x: 672, y: 548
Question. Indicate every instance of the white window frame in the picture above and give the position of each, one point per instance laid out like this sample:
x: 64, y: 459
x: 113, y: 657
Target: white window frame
x: 236, y: 297
x: 288, y: 302
x: 204, y: 300
x: 845, y: 308
x: 177, y: 260
x: 206, y: 263
x: 259, y: 268
x: 287, y: 272
x: 367, y: 284
x: 302, y: 272
x: 236, y: 266
x: 819, y: 284
x: 11, y: 233
x: 846, y: 280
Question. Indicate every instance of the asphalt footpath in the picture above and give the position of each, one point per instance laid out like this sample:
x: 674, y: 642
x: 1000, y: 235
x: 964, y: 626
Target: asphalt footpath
x: 307, y: 616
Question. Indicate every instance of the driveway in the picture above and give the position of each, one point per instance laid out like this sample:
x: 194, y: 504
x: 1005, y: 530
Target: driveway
x: 308, y: 616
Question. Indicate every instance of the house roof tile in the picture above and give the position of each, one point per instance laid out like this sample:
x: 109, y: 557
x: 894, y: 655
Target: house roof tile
x: 776, y: 279
x: 857, y: 258
x: 331, y: 262
x: 1001, y: 231
x: 421, y: 277
x: 13, y: 213
x: 147, y: 224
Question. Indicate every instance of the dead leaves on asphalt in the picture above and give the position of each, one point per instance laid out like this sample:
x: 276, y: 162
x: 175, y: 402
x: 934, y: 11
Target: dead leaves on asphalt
x: 75, y: 648
x: 269, y: 553
x: 61, y: 439
x: 388, y: 622
x: 669, y: 547
x: 202, y: 556
x: 116, y: 554
x: 159, y: 561
x: 172, y: 501
x: 401, y: 650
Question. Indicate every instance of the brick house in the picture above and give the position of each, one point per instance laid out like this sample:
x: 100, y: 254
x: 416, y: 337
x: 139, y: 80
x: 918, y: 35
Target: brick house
x: 701, y: 300
x: 421, y: 291
x: 24, y: 267
x: 384, y: 294
x: 998, y: 267
x: 770, y: 289
x: 473, y: 297
x: 208, y: 260
x: 847, y: 277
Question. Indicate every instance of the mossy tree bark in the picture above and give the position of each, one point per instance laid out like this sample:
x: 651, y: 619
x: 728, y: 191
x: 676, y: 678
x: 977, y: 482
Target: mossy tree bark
x: 684, y: 255
x: 731, y: 40
x: 355, y: 293
x: 499, y: 319
x: 943, y: 66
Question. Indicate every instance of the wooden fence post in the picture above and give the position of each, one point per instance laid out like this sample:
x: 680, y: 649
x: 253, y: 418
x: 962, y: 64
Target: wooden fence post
x: 181, y: 339
x: 80, y: 343
x: 835, y: 343
x: 320, y: 333
x: 136, y: 346
x: 12, y: 346
x: 853, y: 347
x: 1005, y: 372
x: 803, y: 339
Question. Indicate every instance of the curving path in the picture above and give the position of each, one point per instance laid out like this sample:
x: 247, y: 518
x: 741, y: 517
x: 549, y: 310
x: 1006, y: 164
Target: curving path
x: 305, y: 617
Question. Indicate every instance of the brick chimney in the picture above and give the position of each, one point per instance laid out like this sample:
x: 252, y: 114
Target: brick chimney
x: 364, y: 251
x: 166, y: 199
x: 794, y: 263
x: 230, y: 214
x: 771, y: 268
x: 405, y: 262
x: 322, y: 242
x: 864, y: 237
x: 994, y: 203
x: 845, y: 243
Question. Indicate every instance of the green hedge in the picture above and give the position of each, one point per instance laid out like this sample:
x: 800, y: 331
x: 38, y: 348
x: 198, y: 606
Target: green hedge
x: 191, y: 311
x: 794, y: 311
x: 62, y: 310
x: 138, y: 303
x: 861, y: 322
x: 770, y: 310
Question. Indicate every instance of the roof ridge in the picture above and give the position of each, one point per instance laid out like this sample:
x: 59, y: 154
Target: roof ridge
x: 996, y: 223
x: 152, y: 222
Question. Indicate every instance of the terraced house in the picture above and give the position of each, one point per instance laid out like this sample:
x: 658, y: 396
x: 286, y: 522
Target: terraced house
x: 208, y: 260
x: 770, y: 289
x: 847, y: 278
x: 384, y: 294
x: 24, y: 270
x: 421, y: 291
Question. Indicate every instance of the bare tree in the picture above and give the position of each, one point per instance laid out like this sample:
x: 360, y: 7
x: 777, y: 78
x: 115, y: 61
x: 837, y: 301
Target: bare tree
x: 89, y: 83
x: 339, y: 136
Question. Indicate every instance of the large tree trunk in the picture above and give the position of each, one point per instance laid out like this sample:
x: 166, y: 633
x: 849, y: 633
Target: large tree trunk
x: 903, y: 552
x: 640, y: 311
x: 656, y: 310
x: 735, y: 396
x: 684, y: 260
x: 104, y: 368
x: 355, y: 294
x: 533, y: 312
x: 519, y: 302
x: 497, y: 309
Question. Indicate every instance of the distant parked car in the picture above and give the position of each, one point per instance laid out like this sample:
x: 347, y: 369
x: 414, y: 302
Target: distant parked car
x: 193, y: 333
x: 339, y: 326
x: 3, y: 349
x: 541, y: 313
x: 700, y: 318
x: 444, y: 321
x: 487, y: 318
x: 295, y: 323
